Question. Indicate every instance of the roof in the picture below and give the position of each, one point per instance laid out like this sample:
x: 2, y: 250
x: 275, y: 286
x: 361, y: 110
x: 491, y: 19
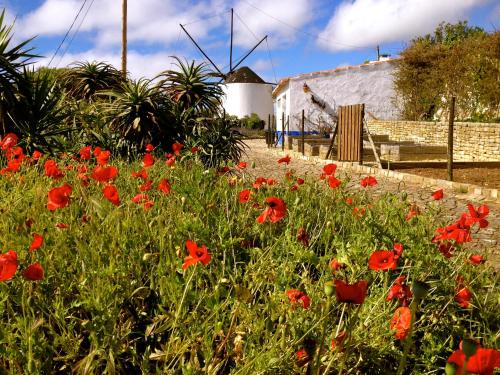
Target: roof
x: 283, y: 82
x: 244, y: 75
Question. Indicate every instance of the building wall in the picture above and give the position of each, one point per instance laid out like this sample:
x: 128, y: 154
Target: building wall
x: 243, y: 99
x: 371, y: 84
x: 471, y: 141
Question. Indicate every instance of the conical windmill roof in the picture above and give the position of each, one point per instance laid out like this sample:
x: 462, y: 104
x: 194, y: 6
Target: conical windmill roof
x: 244, y: 75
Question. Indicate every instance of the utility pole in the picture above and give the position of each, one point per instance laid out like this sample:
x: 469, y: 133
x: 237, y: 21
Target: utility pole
x: 124, y: 39
x: 378, y: 53
x: 231, y: 46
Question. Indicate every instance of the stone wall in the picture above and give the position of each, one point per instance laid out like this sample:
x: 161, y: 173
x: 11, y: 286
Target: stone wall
x: 472, y: 141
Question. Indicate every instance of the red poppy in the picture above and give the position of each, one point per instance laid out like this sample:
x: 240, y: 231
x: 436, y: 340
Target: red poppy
x: 85, y: 219
x: 148, y: 160
x: 298, y: 298
x: 401, y: 322
x: 463, y: 296
x: 8, y: 265
x: 458, y: 232
x: 59, y: 197
x: 194, y: 150
x: 146, y: 186
x: 12, y: 166
x: 302, y: 357
x: 414, y: 211
x: 335, y: 265
x: 85, y: 152
x: 382, y: 260
x: 36, y: 155
x: 333, y: 182
x: 351, y: 293
x: 141, y: 174
x: 438, y: 194
x: 164, y: 186
x: 241, y: 165
x: 275, y: 211
x: 51, y: 169
x: 358, y: 212
x: 300, y: 181
x: 338, y: 341
x: 33, y: 272
x: 139, y: 198
x: 177, y: 147
x: 244, y: 196
x: 285, y: 159
x: 15, y: 153
x: 8, y: 141
x: 259, y: 181
x: 397, y: 250
x: 170, y: 161
x: 148, y: 204
x: 97, y: 151
x: 196, y: 254
x: 483, y: 361
x: 369, y: 181
x: 303, y: 237
x: 446, y: 249
x: 476, y: 259
x: 104, y: 174
x: 62, y: 226
x: 477, y: 216
x: 103, y: 157
x: 349, y: 201
x: 400, y: 291
x: 111, y: 194
x: 36, y: 243
x: 329, y: 169
x: 149, y: 147
x: 289, y: 174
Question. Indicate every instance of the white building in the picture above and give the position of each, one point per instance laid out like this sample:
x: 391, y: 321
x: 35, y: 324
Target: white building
x: 247, y: 93
x: 320, y: 93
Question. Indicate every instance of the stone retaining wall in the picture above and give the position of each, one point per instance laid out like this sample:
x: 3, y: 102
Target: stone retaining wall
x: 472, y: 141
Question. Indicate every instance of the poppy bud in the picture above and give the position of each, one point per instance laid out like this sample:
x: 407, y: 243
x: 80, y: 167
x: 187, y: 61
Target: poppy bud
x: 146, y: 257
x: 281, y: 319
x: 328, y: 224
x: 329, y: 288
x: 253, y: 164
x: 469, y: 347
x: 297, y: 201
x: 419, y: 289
x: 450, y: 369
x: 183, y: 200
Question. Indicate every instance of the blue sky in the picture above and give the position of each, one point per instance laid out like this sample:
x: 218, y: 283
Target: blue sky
x: 304, y: 35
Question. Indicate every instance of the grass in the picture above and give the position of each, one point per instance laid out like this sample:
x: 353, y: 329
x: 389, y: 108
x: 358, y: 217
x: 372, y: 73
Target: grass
x: 115, y: 298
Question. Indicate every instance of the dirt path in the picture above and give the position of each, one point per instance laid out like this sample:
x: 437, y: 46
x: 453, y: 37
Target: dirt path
x: 486, y: 241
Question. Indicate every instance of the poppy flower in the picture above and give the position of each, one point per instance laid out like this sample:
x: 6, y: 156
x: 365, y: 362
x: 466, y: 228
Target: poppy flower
x: 103, y: 157
x: 476, y: 259
x: 401, y: 322
x: 146, y: 186
x: 62, y: 226
x: 259, y: 181
x: 275, y: 211
x: 463, y: 297
x: 333, y: 182
x: 12, y: 166
x: 369, y: 181
x: 241, y: 165
x: 15, y: 153
x: 164, y: 186
x: 170, y: 161
x: 194, y: 150
x: 8, y: 265
x: 59, y: 197
x: 97, y: 151
x: 8, y: 141
x: 177, y: 148
x: 104, y: 174
x: 289, y: 174
x: 141, y: 174
x: 397, y: 250
x: 51, y: 169
x: 349, y: 201
x: 36, y: 155
x: 414, y: 211
x: 300, y: 181
x: 477, y: 216
x: 139, y: 198
x: 303, y: 237
x: 459, y: 232
x: 329, y: 169
x: 382, y: 260
x: 33, y: 272
x: 339, y: 340
x: 483, y: 361
x: 148, y: 204
x: 302, y: 357
x: 148, y: 160
x: 298, y: 298
x: 437, y: 195
x: 149, y: 147
x: 36, y: 243
x: 196, y: 254
x: 358, y: 212
x: 351, y: 293
x: 285, y: 159
x: 111, y: 194
x: 270, y: 181
x: 244, y: 196
x: 446, y: 249
x: 85, y: 152
x: 400, y: 291
x: 335, y: 265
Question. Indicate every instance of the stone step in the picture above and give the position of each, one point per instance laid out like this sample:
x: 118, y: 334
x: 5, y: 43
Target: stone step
x: 412, y: 152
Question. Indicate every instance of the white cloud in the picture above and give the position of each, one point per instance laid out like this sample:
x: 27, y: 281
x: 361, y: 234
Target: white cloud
x: 279, y: 19
x: 370, y: 22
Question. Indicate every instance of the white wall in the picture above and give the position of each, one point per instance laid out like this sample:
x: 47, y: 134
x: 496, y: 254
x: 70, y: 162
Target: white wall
x: 371, y: 84
x: 243, y: 99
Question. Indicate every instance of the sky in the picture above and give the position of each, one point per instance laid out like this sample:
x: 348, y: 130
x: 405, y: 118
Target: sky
x: 303, y: 35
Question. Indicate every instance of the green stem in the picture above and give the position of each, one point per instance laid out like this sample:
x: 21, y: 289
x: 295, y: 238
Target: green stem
x: 323, y: 330
x: 352, y: 320
x: 408, y: 340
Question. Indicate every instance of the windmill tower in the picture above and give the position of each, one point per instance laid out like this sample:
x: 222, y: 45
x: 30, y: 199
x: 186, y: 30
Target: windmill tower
x: 244, y: 91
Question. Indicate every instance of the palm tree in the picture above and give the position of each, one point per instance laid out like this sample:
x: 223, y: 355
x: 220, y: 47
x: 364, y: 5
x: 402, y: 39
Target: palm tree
x: 192, y: 87
x: 85, y: 79
x: 12, y: 61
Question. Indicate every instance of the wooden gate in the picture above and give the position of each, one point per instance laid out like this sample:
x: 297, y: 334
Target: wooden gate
x: 350, y: 132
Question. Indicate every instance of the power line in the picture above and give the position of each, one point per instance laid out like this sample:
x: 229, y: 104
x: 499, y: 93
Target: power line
x: 67, y: 32
x: 76, y: 32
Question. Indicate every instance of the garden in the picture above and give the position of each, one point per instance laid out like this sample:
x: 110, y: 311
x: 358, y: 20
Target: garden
x: 133, y: 241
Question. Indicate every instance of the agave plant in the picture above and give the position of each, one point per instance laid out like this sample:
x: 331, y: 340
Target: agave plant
x: 85, y: 79
x: 12, y: 61
x: 141, y: 114
x: 192, y: 87
x: 36, y: 113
